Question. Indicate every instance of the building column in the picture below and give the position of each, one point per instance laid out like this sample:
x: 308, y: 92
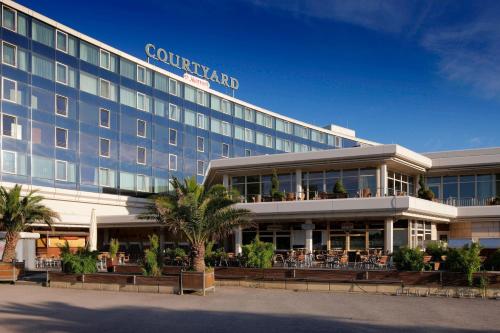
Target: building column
x: 225, y: 181
x: 389, y: 235
x: 309, y: 238
x: 383, y: 180
x: 378, y: 181
x: 434, y: 233
x: 298, y: 184
x: 238, y: 239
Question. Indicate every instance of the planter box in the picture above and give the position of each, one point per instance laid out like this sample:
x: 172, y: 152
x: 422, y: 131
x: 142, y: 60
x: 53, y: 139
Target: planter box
x: 10, y: 271
x: 198, y: 281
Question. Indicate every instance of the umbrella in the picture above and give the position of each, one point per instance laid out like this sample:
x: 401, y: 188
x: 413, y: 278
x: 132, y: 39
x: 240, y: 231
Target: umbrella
x: 92, y: 242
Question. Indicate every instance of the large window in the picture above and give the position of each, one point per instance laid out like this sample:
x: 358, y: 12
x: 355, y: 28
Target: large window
x: 9, y: 18
x: 400, y: 184
x: 61, y: 137
x: 463, y: 190
x: 42, y: 33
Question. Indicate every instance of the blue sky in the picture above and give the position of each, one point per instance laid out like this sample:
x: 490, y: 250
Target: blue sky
x: 424, y: 74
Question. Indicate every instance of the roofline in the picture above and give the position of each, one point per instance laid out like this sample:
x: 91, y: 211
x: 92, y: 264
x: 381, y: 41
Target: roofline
x: 160, y: 70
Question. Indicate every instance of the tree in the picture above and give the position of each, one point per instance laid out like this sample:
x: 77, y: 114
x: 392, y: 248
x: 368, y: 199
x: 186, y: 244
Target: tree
x: 201, y: 214
x: 276, y: 194
x: 17, y: 213
x: 153, y: 258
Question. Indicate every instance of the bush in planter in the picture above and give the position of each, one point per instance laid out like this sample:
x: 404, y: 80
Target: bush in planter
x: 424, y: 192
x: 114, y: 246
x: 153, y: 258
x: 258, y: 254
x: 465, y: 260
x: 436, y: 249
x: 339, y: 190
x: 493, y: 261
x: 83, y: 261
x: 276, y: 194
x: 408, y: 259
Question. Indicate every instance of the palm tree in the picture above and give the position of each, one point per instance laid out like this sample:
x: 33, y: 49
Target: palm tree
x: 17, y: 213
x: 202, y: 215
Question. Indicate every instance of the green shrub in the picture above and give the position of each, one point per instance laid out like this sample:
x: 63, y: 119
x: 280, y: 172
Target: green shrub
x: 436, y: 249
x: 153, y: 258
x: 258, y: 254
x: 465, y: 260
x: 276, y: 194
x: 424, y: 192
x: 338, y: 188
x: 408, y: 259
x: 83, y: 261
x: 114, y: 246
x: 493, y: 261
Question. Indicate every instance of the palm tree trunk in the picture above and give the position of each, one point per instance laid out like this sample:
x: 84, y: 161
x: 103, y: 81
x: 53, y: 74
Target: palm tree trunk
x: 199, y: 257
x: 9, y: 252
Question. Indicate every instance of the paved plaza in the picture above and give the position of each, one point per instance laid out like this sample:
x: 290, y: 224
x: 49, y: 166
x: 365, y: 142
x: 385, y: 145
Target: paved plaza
x: 38, y: 309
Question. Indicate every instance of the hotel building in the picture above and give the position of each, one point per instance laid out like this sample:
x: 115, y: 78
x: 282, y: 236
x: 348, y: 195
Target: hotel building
x: 96, y: 130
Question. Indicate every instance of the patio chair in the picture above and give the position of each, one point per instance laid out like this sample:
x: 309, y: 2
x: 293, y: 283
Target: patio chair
x: 382, y: 262
x: 278, y: 259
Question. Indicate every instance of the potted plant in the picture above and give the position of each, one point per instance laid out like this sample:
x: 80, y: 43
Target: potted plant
x: 339, y: 191
x: 112, y: 260
x: 424, y: 192
x: 202, y: 215
x: 437, y: 250
x: 276, y: 194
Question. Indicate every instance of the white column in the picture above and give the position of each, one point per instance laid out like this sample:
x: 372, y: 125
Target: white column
x: 238, y: 238
x: 389, y: 235
x: 225, y: 181
x: 298, y: 184
x: 309, y: 238
x: 383, y: 179
x: 434, y: 232
x: 379, y: 183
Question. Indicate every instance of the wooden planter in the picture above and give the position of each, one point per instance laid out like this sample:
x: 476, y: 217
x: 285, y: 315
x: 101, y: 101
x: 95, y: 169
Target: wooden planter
x: 198, y: 281
x: 111, y: 263
x: 11, y: 272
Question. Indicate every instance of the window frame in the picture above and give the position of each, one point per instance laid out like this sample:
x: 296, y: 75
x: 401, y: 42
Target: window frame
x: 145, y: 128
x: 3, y: 87
x: 137, y: 74
x: 197, y: 146
x: 101, y: 51
x: 65, y: 173
x: 176, y: 107
x: 66, y: 137
x: 15, y: 162
x: 14, y: 131
x: 109, y: 147
x: 228, y: 153
x: 137, y: 101
x: 66, y: 73
x: 101, y: 80
x: 169, y: 162
x: 137, y: 182
x: 100, y: 183
x: 176, y: 85
x: 170, y: 130
x: 145, y: 155
x: 67, y: 39
x: 225, y: 125
x: 15, y: 18
x: 198, y: 168
x: 67, y: 106
x: 15, y: 54
x: 249, y: 152
x: 203, y: 126
x: 109, y: 118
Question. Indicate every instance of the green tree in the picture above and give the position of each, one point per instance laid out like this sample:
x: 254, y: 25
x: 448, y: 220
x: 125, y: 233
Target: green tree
x: 153, y: 258
x: 258, y: 254
x: 276, y: 194
x: 408, y: 259
x: 339, y: 188
x: 201, y: 214
x: 465, y: 260
x: 17, y: 213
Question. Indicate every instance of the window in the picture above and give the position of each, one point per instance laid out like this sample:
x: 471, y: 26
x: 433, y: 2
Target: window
x: 9, y: 19
x: 172, y: 137
x: 9, y: 90
x: 200, y: 144
x: 238, y: 111
x: 105, y: 89
x: 9, y: 161
x: 268, y: 141
x: 104, y: 119
x: 200, y: 121
x: 200, y: 168
x: 174, y: 87
x: 201, y: 97
x: 141, y: 155
x: 141, y: 74
x: 61, y: 73
x: 9, y: 125
x: 104, y: 60
x: 9, y: 54
x: 189, y: 117
x: 61, y: 41
x: 62, y: 170
x: 239, y: 133
x: 248, y: 135
x: 141, y: 128
x: 225, y: 128
x: 42, y: 33
x: 173, y: 112
x: 105, y: 177
x: 248, y: 152
x: 141, y: 101
x: 338, y: 142
x: 104, y: 147
x: 142, y: 183
x: 61, y: 137
x: 249, y: 115
x: 172, y: 162
x: 61, y: 105
x: 225, y: 107
x: 225, y: 150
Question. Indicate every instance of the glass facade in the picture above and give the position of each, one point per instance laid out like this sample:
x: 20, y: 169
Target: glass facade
x: 80, y: 117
